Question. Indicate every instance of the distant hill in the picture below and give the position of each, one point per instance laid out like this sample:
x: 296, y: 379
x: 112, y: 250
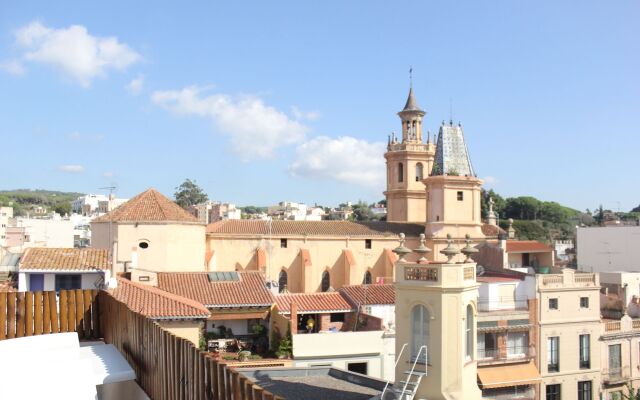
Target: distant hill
x: 24, y: 201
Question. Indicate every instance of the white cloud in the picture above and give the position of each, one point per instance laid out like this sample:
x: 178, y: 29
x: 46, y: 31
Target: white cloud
x: 255, y: 129
x: 301, y: 115
x: 108, y: 175
x: 71, y: 168
x: 13, y: 67
x: 135, y: 86
x: 345, y: 159
x: 74, y: 51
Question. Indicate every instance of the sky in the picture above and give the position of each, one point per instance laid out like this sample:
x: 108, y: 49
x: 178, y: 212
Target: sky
x: 262, y: 102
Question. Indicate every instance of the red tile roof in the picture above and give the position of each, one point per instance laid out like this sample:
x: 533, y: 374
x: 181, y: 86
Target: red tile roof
x: 249, y: 291
x: 64, y: 259
x: 312, y: 302
x: 155, y: 303
x: 314, y: 228
x: 527, y: 246
x: 148, y: 206
x: 492, y: 231
x: 369, y: 294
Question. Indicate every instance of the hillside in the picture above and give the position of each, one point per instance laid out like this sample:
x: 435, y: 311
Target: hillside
x: 24, y: 201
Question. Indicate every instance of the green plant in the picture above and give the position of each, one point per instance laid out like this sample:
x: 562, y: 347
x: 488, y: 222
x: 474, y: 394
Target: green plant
x: 258, y: 329
x: 228, y: 357
x: 202, y: 344
x: 255, y: 357
x: 285, y: 348
x: 244, y: 355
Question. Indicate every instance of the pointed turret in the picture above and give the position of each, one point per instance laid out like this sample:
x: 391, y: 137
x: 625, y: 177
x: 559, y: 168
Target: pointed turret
x: 411, y: 117
x: 452, y: 156
x: 412, y: 104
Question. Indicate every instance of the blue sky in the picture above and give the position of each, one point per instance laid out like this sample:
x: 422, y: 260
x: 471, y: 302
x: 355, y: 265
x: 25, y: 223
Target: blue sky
x: 261, y: 102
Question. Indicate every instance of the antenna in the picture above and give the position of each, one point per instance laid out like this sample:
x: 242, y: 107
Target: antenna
x: 450, y: 111
x: 410, y: 76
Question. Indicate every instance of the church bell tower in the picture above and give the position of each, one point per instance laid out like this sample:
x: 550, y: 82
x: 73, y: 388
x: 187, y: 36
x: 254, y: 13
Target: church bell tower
x: 409, y: 161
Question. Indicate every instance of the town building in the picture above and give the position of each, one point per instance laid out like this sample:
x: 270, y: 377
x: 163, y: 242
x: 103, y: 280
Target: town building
x: 151, y: 233
x: 609, y: 248
x: 569, y: 331
x: 63, y: 268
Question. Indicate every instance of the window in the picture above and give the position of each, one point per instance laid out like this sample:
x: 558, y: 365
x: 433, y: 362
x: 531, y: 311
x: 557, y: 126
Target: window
x: 326, y: 281
x: 553, y: 344
x: 617, y: 395
x: 553, y: 304
x: 419, y: 333
x: 460, y: 196
x: 67, y: 282
x: 358, y: 367
x: 585, y: 351
x: 336, y: 317
x: 487, y: 347
x: 615, y: 360
x: 282, y: 281
x: 584, y: 302
x: 367, y: 278
x: 517, y: 344
x: 584, y: 390
x: 367, y: 243
x: 553, y: 392
x: 419, y: 172
x: 469, y: 333
x: 400, y: 172
x: 283, y: 243
x: 143, y: 245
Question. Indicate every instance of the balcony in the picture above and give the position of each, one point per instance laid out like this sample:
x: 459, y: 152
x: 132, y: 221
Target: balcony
x: 509, y: 354
x: 615, y: 376
x: 497, y: 304
x: 165, y: 366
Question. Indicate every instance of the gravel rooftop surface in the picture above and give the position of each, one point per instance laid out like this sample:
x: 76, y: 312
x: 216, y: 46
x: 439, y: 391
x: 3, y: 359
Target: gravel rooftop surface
x: 316, y: 388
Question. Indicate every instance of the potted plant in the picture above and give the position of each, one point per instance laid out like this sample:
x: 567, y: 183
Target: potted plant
x: 244, y: 355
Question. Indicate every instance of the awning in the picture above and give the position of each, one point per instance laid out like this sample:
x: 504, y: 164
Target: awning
x: 508, y: 375
x: 238, y: 315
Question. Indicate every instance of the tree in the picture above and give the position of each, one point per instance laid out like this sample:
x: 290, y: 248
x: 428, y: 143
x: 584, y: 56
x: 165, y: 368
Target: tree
x: 189, y: 193
x: 636, y: 209
x: 62, y: 208
x: 599, y: 217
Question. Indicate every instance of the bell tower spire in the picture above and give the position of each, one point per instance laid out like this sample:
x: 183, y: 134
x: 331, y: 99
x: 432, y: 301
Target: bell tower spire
x: 409, y: 161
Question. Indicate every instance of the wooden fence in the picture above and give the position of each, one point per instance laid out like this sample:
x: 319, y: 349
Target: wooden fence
x: 36, y: 313
x: 166, y: 366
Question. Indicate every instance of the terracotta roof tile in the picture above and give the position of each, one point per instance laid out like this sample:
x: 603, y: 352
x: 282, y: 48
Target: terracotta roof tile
x: 148, y: 206
x: 249, y: 291
x: 155, y: 303
x: 312, y: 302
x: 314, y: 228
x: 527, y: 246
x: 64, y: 259
x: 369, y: 294
x: 492, y: 231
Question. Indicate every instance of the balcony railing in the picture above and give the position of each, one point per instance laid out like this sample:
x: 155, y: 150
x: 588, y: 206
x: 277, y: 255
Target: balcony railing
x: 166, y: 366
x: 497, y: 304
x: 616, y: 375
x: 508, y: 354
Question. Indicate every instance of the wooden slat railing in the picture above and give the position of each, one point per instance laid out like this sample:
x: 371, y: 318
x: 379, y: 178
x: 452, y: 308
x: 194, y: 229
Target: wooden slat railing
x: 36, y: 313
x: 167, y: 366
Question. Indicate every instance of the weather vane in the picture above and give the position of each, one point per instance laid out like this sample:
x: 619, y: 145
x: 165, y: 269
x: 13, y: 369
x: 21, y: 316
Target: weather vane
x: 411, y: 76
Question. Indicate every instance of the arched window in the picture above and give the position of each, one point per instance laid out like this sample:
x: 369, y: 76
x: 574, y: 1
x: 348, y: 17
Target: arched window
x: 326, y: 281
x: 282, y: 281
x: 420, y: 333
x: 367, y: 278
x: 469, y: 333
x: 419, y: 170
x: 400, y: 172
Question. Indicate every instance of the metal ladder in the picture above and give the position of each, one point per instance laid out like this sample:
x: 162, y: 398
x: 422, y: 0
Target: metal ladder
x: 412, y: 380
x: 394, y: 369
